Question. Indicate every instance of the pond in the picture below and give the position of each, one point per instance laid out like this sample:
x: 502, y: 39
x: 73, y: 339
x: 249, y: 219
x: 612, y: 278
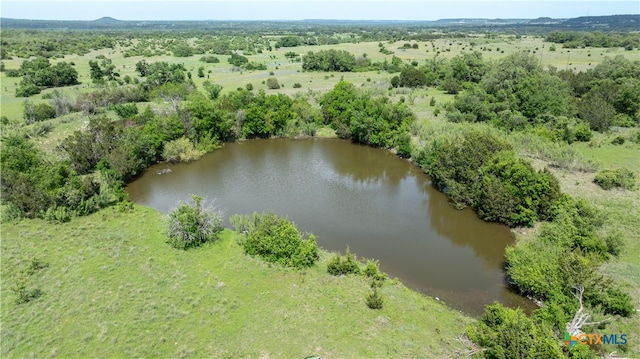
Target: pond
x: 379, y: 205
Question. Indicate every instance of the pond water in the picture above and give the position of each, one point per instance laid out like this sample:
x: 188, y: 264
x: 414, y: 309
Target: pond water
x: 379, y: 205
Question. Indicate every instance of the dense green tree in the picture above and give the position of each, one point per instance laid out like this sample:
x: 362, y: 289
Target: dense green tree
x: 363, y: 119
x: 267, y: 115
x: 412, y: 77
x: 329, y: 60
x: 182, y: 50
x: 238, y: 60
x: 288, y: 41
x: 467, y: 67
x: 38, y: 74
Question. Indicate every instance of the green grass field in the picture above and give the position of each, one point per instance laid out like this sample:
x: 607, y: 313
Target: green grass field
x: 111, y: 287
x: 289, y: 73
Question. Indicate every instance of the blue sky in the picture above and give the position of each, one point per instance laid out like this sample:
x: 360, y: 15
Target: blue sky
x: 304, y: 9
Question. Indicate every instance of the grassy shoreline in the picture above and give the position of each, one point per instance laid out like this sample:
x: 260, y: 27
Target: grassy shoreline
x: 111, y: 287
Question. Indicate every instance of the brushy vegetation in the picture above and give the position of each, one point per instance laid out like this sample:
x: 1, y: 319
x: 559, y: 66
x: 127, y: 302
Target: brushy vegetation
x: 340, y: 266
x: 480, y: 170
x: 277, y: 240
x: 509, y: 333
x: 192, y: 224
x: 621, y: 178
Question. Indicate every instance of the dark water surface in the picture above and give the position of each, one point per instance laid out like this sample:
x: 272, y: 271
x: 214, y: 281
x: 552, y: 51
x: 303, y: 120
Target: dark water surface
x: 379, y: 205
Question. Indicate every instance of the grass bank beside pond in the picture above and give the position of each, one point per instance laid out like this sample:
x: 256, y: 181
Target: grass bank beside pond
x: 107, y: 285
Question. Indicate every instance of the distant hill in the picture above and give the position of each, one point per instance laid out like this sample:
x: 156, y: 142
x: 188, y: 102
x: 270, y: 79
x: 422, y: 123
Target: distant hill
x: 543, y: 24
x: 107, y: 20
x: 613, y: 21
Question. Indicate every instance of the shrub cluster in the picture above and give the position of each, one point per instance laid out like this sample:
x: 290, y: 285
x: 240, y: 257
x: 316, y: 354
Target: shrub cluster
x: 340, y: 266
x: 480, y: 170
x: 622, y: 178
x: 366, y: 119
x: 509, y: 333
x: 329, y: 60
x: 38, y: 74
x: 35, y: 187
x: 277, y: 240
x: 567, y: 254
x: 191, y: 224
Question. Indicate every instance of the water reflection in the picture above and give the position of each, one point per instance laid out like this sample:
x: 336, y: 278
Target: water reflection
x: 348, y: 195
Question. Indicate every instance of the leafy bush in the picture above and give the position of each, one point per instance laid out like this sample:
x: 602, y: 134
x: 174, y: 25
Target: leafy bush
x: 210, y: 59
x: 272, y: 83
x: 329, y: 60
x: 191, y: 224
x: 238, y: 60
x: 254, y: 66
x: 37, y: 113
x: 374, y: 300
x: 615, y: 243
x: 126, y: 110
x: 479, y: 169
x: 212, y: 89
x: 509, y: 333
x: 372, y: 270
x: 181, y: 150
x: 619, y: 140
x: 623, y: 178
x: 412, y: 77
x: 277, y: 240
x: 340, y: 266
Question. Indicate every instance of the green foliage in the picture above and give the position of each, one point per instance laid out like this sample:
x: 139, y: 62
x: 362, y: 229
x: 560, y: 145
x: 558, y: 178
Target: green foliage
x: 266, y: 116
x: 210, y: 59
x: 58, y: 214
x: 157, y: 74
x: 251, y: 65
x: 622, y: 178
x: 272, y: 83
x: 615, y: 243
x: 372, y: 270
x: 102, y: 72
x: 213, y: 89
x: 277, y: 240
x: 38, y: 73
x: 374, y: 300
x: 509, y: 333
x: 181, y: 150
x: 412, y: 77
x: 191, y: 224
x: 479, y: 169
x: 329, y: 60
x: 182, y: 50
x: 237, y: 60
x: 597, y: 111
x: 343, y: 266
x: 32, y: 184
x: 126, y: 110
x: 38, y: 113
x: 566, y: 255
x: 366, y: 119
x: 288, y: 41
